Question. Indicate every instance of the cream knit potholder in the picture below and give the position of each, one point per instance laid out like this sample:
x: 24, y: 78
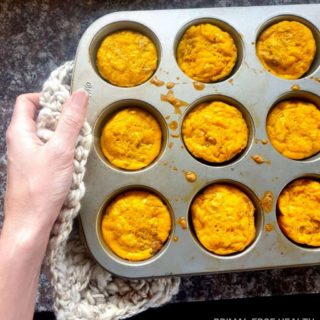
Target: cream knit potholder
x: 82, y: 289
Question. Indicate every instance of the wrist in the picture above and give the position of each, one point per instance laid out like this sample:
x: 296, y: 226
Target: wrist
x: 25, y: 236
x: 23, y: 245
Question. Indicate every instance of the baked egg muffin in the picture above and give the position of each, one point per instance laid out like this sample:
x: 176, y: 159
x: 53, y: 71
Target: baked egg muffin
x: 287, y: 49
x: 299, y: 212
x: 223, y: 219
x: 136, y: 224
x: 215, y: 131
x: 131, y: 139
x: 126, y: 58
x: 293, y: 127
x: 206, y: 53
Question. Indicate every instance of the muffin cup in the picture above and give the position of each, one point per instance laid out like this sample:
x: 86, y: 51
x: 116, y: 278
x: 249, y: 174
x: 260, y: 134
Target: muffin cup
x: 224, y: 26
x: 304, y: 247
x: 109, y: 198
x: 304, y: 96
x: 316, y: 34
x: 109, y: 111
x: 121, y: 26
x: 258, y: 218
x: 246, y: 115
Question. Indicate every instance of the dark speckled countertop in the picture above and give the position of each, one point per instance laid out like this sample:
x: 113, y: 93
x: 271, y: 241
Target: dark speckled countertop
x: 38, y: 36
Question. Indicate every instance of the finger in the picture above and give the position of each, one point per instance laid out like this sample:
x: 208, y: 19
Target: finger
x: 72, y: 118
x: 24, y: 111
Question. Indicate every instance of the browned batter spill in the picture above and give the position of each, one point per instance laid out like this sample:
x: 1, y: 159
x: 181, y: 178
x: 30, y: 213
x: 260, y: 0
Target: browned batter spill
x: 175, y: 102
x: 170, y: 145
x: 295, y: 87
x: 263, y: 141
x: 157, y: 82
x: 174, y: 135
x: 259, y: 160
x: 173, y: 125
x: 190, y: 176
x: 267, y: 201
x: 198, y: 85
x: 175, y: 238
x: 170, y: 85
x: 182, y: 223
x: 269, y: 227
x: 315, y: 79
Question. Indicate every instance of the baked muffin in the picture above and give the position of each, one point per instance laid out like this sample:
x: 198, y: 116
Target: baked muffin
x: 136, y: 225
x: 131, y: 139
x: 287, y: 49
x: 215, y: 131
x: 223, y: 219
x: 206, y: 53
x: 293, y: 128
x: 299, y: 212
x: 126, y: 58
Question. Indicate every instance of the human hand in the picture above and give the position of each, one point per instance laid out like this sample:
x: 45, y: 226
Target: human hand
x: 40, y: 174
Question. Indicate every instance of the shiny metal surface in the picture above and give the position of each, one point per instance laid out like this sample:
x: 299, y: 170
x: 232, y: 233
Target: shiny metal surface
x: 255, y: 91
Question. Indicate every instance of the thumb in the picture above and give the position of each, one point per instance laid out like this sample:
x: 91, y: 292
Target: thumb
x: 72, y: 118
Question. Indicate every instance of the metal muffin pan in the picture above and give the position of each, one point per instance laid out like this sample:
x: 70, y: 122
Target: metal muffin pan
x: 254, y: 91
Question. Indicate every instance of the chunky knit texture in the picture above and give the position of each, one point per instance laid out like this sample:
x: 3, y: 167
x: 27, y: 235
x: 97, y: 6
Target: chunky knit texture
x: 82, y: 289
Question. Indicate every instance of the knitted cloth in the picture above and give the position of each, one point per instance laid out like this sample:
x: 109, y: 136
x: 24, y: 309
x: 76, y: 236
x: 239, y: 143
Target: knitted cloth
x: 82, y: 289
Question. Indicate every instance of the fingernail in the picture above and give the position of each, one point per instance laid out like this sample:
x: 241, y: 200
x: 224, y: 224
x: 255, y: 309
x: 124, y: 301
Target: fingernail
x: 79, y: 98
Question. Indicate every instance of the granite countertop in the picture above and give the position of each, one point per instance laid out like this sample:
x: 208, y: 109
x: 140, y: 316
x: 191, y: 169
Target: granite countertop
x: 38, y: 36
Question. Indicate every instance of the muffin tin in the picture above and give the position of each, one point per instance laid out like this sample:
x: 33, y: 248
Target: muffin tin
x: 250, y: 88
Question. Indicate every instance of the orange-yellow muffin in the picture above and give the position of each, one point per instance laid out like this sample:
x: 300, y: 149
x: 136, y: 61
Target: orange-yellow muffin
x: 206, y: 53
x: 127, y: 58
x: 287, y: 49
x: 136, y: 224
x: 299, y: 211
x: 293, y: 128
x: 131, y: 139
x: 215, y: 131
x: 223, y: 219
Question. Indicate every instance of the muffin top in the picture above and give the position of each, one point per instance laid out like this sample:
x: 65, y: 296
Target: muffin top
x: 287, y: 49
x: 293, y: 128
x: 223, y: 219
x: 131, y: 139
x: 136, y: 224
x: 126, y: 58
x: 299, y: 211
x: 206, y: 53
x: 215, y: 131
